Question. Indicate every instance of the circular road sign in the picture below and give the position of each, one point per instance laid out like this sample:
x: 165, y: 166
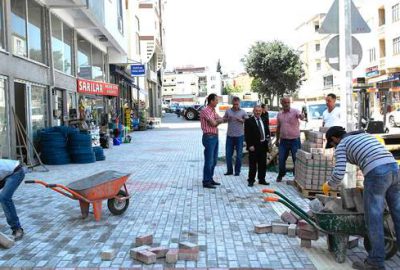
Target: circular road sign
x: 332, y: 52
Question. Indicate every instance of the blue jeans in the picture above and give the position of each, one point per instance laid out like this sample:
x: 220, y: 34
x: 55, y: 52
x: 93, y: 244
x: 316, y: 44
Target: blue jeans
x: 210, y: 143
x: 233, y: 143
x: 285, y: 146
x: 12, y: 183
x: 381, y: 183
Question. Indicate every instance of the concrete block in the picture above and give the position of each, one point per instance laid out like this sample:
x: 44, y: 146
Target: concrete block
x: 334, y: 206
x: 303, y: 225
x: 288, y: 218
x: 144, y: 240
x: 307, y: 235
x: 358, y: 200
x: 188, y: 255
x: 292, y: 230
x: 295, y: 215
x: 353, y: 242
x: 5, y: 241
x: 305, y: 243
x: 134, y: 251
x: 146, y: 257
x: 159, y: 251
x: 172, y: 256
x: 279, y: 228
x: 263, y: 228
x: 188, y: 246
x: 107, y: 254
x: 316, y: 205
x: 347, y: 198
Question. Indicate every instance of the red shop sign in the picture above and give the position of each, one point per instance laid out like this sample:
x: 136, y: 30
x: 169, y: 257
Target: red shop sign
x: 97, y: 88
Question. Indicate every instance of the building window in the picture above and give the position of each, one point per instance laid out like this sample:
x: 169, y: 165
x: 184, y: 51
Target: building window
x: 61, y: 41
x: 317, y: 47
x: 90, y: 61
x: 120, y: 18
x: 396, y: 13
x: 2, y: 29
x: 4, y: 138
x: 316, y: 26
x: 396, y: 46
x: 318, y: 65
x: 27, y: 34
x: 382, y: 19
x: 328, y: 81
x: 372, y: 55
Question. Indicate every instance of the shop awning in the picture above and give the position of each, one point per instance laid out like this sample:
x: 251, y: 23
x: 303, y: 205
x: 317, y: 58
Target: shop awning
x: 378, y: 79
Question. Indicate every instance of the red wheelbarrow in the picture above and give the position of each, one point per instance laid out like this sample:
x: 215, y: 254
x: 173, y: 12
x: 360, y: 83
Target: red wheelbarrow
x: 93, y: 190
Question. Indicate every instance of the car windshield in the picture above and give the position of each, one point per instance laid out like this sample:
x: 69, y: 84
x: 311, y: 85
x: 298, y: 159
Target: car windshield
x: 248, y: 104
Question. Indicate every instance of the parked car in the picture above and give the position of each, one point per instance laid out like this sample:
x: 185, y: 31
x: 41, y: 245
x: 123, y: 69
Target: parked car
x: 394, y: 118
x: 273, y: 122
x: 193, y: 112
x: 248, y: 106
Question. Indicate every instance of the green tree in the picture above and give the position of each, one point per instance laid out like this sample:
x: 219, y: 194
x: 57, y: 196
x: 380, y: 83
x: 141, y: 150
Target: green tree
x: 219, y: 68
x: 276, y: 68
x: 230, y: 90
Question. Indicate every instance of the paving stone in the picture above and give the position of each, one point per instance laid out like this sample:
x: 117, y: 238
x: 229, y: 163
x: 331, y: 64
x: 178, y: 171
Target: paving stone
x: 305, y: 243
x: 159, y: 251
x: 263, y: 228
x: 107, y: 254
x: 188, y: 246
x: 134, y: 251
x: 307, y: 235
x: 146, y: 257
x: 292, y: 230
x: 172, y: 256
x: 288, y: 218
x: 347, y: 195
x: 188, y: 255
x: 144, y: 240
x: 279, y: 228
x: 6, y: 241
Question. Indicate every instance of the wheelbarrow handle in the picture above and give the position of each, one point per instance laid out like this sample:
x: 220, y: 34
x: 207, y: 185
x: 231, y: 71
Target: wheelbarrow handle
x: 286, y: 199
x: 29, y: 182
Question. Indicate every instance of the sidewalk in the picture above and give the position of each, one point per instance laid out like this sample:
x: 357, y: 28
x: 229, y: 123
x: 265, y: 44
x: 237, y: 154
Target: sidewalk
x: 168, y: 201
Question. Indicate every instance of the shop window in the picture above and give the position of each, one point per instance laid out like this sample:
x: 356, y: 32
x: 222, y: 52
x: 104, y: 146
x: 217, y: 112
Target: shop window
x: 2, y: 29
x: 72, y: 106
x: 4, y: 138
x: 97, y: 64
x: 29, y: 31
x: 396, y: 46
x: 61, y: 40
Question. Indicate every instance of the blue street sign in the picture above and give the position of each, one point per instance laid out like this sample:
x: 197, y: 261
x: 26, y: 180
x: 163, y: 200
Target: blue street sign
x: 138, y: 70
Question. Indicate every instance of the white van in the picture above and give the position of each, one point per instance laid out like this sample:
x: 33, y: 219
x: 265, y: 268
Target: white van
x: 248, y: 106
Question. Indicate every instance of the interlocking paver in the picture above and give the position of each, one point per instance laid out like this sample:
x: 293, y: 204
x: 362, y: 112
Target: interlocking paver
x: 167, y: 201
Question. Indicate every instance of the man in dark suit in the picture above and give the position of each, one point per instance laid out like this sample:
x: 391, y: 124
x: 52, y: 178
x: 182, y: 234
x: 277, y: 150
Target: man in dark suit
x: 256, y: 132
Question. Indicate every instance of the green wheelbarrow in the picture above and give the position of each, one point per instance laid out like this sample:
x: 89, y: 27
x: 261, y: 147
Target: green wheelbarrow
x: 338, y: 227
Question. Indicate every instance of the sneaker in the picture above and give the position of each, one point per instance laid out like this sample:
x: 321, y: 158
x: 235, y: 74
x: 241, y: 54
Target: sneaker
x: 18, y: 234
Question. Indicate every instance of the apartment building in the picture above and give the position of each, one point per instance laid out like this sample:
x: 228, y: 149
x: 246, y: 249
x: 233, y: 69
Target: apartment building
x: 383, y: 69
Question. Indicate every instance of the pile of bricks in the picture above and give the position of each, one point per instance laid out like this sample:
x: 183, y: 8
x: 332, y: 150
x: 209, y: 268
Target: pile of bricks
x: 314, y: 169
x: 314, y: 139
x: 291, y: 225
x: 145, y: 253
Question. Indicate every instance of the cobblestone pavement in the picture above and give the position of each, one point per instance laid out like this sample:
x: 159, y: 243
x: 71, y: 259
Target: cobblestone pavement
x: 169, y: 202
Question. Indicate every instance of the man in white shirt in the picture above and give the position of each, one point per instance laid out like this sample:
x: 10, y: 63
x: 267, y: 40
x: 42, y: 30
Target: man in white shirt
x: 331, y: 116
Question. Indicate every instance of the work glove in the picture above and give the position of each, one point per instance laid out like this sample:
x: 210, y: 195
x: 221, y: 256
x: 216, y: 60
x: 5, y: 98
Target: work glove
x: 326, y: 188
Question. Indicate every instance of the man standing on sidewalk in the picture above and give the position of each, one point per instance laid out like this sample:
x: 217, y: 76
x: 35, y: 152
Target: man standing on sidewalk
x: 210, y: 120
x: 235, y: 135
x: 257, y: 136
x: 11, y: 175
x: 287, y: 135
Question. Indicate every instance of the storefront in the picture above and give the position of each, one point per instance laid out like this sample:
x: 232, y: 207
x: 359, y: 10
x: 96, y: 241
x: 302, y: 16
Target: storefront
x: 95, y: 102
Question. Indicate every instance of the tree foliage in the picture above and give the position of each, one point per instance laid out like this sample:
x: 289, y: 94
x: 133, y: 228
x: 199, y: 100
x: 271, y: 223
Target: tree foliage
x: 229, y: 90
x: 275, y: 67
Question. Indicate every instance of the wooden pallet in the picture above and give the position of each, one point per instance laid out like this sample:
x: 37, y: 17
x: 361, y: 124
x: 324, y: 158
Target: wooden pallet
x: 312, y: 193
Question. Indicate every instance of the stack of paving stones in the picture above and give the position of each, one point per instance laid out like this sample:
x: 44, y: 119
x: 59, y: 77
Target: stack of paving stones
x: 145, y: 253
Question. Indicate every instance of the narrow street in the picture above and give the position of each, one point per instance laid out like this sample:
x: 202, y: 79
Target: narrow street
x: 168, y: 201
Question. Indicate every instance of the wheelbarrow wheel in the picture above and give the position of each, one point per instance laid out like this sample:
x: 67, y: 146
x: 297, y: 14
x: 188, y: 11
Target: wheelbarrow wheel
x: 117, y: 207
x: 390, y: 245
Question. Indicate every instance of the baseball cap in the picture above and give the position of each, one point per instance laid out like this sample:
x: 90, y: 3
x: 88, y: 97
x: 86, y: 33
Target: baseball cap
x: 336, y: 131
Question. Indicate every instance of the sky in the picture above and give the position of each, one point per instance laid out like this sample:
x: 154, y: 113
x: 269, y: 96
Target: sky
x: 199, y: 32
